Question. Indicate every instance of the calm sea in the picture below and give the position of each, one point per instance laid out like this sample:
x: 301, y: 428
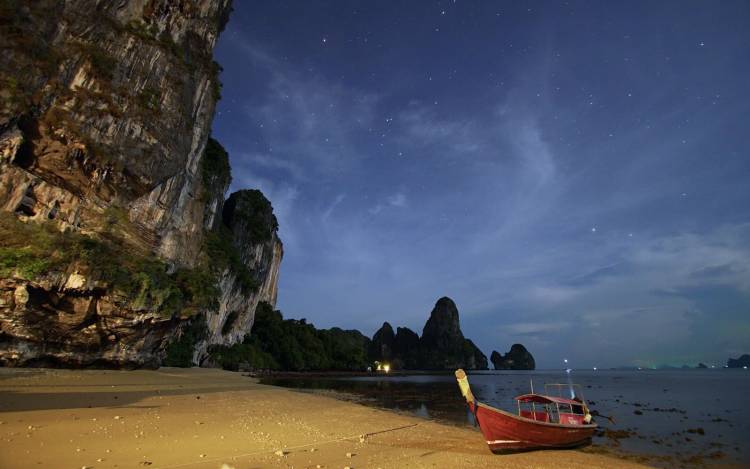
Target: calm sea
x: 696, y: 415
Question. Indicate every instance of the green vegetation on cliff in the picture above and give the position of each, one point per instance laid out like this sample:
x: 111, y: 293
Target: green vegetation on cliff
x: 293, y: 345
x: 35, y: 249
x: 251, y: 212
x: 215, y: 168
x: 28, y: 52
x: 180, y: 352
x: 222, y: 254
x: 220, y: 249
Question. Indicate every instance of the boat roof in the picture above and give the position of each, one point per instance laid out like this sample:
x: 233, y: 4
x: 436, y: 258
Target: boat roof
x: 542, y: 399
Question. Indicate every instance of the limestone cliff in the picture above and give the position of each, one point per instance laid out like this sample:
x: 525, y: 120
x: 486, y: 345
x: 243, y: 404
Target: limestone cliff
x: 381, y: 346
x: 249, y: 219
x: 743, y: 361
x: 442, y: 345
x: 111, y: 193
x: 518, y: 358
x: 406, y: 349
x: 110, y: 103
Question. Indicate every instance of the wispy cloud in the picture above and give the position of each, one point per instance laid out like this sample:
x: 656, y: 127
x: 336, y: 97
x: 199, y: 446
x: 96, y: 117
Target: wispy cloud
x: 308, y: 121
x: 291, y: 169
x: 397, y: 200
x: 536, y: 155
x: 652, y: 294
x: 545, y: 207
x: 329, y: 210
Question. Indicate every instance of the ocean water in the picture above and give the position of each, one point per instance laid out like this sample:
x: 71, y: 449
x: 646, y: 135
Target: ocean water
x: 692, y: 415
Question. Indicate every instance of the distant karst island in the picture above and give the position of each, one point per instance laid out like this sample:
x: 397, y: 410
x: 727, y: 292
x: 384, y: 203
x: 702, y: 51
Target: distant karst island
x: 442, y: 345
x: 518, y: 358
x: 294, y: 345
x: 741, y: 362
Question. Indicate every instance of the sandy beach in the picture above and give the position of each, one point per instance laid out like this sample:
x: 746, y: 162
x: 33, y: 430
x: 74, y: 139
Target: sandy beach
x: 205, y: 418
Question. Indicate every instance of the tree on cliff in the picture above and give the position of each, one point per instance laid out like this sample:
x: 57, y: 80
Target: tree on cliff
x: 276, y: 343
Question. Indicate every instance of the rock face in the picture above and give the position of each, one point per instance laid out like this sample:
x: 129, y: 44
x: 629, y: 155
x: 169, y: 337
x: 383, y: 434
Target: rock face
x: 248, y: 216
x: 441, y: 347
x: 112, y: 105
x: 53, y: 322
x: 476, y: 360
x: 105, y: 118
x: 406, y: 349
x: 442, y: 329
x: 518, y: 358
x: 381, y: 346
x: 740, y: 362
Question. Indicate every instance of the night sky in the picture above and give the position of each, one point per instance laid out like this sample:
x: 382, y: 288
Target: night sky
x: 576, y: 176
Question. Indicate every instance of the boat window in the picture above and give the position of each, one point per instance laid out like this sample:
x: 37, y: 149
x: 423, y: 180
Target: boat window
x: 554, y: 417
x: 577, y: 409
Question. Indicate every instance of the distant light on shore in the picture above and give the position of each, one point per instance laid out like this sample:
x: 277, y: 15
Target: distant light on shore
x: 384, y: 367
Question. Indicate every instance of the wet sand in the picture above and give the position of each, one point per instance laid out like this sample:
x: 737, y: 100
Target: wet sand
x: 203, y: 418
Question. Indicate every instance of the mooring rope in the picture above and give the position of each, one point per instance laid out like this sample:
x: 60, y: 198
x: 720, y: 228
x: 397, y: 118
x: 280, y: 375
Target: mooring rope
x: 290, y: 448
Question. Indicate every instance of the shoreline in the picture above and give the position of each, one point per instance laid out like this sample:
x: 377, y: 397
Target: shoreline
x: 610, y: 448
x: 402, y: 373
x: 204, y: 418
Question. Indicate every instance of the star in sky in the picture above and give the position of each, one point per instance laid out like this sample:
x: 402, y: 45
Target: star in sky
x: 541, y: 127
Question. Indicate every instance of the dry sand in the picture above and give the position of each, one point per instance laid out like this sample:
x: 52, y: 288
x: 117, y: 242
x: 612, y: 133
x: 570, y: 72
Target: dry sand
x: 202, y: 418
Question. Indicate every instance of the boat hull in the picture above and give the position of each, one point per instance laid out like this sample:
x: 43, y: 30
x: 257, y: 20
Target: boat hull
x: 505, y: 432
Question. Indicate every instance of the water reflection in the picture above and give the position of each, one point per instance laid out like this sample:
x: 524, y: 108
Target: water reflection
x: 426, y: 396
x: 660, y: 412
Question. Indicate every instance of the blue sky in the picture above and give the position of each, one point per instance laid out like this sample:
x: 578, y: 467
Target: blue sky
x: 575, y: 176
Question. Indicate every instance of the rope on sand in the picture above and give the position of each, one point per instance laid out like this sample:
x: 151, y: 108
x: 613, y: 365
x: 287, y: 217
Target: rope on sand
x: 291, y: 448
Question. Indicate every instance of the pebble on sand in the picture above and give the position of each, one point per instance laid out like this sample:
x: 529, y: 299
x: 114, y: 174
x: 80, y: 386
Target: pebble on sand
x: 281, y: 453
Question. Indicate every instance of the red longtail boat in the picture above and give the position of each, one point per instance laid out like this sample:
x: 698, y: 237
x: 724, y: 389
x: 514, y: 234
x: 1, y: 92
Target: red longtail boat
x: 542, y: 422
